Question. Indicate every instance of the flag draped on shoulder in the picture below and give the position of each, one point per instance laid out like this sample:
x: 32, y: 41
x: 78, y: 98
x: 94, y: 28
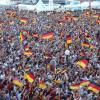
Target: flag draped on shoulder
x: 82, y: 63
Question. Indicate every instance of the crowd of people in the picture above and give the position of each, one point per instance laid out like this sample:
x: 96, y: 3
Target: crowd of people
x: 52, y: 62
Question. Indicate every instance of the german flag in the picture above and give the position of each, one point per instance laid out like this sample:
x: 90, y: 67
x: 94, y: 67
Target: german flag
x: 26, y: 47
x: 42, y: 85
x: 28, y: 53
x: 93, y: 87
x: 23, y: 20
x: 35, y: 35
x: 17, y: 82
x: 74, y: 86
x: 82, y: 63
x: 30, y: 77
x: 84, y: 83
x: 22, y: 37
x: 85, y: 44
x: 49, y: 35
x: 68, y: 39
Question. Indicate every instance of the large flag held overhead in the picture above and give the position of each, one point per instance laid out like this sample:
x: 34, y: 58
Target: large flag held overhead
x: 93, y: 87
x: 30, y: 77
x: 68, y: 39
x: 82, y: 63
x: 17, y: 82
x: 74, y: 86
x: 48, y: 35
x: 84, y: 83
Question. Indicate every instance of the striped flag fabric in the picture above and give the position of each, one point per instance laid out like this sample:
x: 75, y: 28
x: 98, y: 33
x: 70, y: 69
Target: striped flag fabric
x: 68, y: 39
x: 28, y: 53
x: 48, y: 35
x: 42, y: 85
x: 22, y: 37
x: 23, y: 20
x: 93, y: 87
x: 30, y: 77
x: 85, y: 44
x: 17, y: 82
x: 82, y: 63
x: 84, y: 83
x: 74, y: 86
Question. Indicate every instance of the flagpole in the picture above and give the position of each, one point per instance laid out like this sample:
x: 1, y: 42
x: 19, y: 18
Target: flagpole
x: 90, y: 8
